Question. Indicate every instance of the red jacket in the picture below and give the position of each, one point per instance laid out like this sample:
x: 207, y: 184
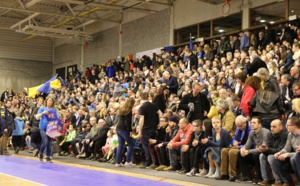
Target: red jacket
x: 248, y: 94
x: 183, y: 136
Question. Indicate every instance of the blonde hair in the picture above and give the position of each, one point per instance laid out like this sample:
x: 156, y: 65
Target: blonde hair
x: 296, y: 105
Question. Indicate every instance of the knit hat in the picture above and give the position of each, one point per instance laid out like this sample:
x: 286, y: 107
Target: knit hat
x: 174, y: 119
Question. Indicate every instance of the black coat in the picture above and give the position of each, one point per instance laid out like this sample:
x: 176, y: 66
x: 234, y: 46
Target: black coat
x: 255, y: 65
x: 201, y: 105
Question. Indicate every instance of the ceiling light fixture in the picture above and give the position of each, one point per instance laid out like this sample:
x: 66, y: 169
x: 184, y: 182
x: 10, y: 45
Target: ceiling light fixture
x: 262, y: 21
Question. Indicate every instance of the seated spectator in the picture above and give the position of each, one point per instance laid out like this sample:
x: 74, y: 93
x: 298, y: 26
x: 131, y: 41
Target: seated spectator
x: 160, y: 137
x: 195, y: 147
x: 71, y: 134
x: 98, y: 140
x: 284, y: 161
x: 220, y: 139
x: 247, y: 156
x: 161, y: 148
x: 227, y: 117
x: 278, y: 140
x: 179, y: 146
x: 229, y: 155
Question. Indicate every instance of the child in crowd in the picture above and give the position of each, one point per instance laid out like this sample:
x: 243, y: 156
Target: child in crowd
x: 17, y: 133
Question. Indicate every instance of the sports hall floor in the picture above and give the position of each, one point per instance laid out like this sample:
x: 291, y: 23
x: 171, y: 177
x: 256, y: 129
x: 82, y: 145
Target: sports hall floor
x: 24, y: 170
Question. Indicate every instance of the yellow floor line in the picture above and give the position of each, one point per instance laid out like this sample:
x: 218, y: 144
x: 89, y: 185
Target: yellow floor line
x: 9, y: 180
x: 155, y: 178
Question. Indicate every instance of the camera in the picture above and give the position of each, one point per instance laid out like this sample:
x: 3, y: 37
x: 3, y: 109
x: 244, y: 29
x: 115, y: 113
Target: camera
x: 192, y: 107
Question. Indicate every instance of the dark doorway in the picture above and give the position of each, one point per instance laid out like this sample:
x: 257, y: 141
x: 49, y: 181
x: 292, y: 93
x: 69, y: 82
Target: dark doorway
x: 71, y: 71
x: 61, y: 72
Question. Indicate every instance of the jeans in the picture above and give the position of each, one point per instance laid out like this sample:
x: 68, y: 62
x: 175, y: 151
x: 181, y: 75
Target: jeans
x: 161, y: 154
x: 264, y: 167
x: 46, y: 143
x: 280, y: 170
x: 295, y: 162
x: 250, y: 159
x: 146, y: 135
x: 184, y: 156
x: 35, y: 139
x: 123, y: 136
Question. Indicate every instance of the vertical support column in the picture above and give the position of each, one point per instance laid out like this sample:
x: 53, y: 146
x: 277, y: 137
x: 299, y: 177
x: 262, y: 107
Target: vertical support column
x: 287, y: 8
x: 171, y: 12
x: 245, y: 8
x: 82, y: 55
x: 120, y: 34
x: 120, y: 39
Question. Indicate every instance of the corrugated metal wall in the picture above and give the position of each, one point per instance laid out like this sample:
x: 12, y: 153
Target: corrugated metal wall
x: 37, y: 49
x: 24, y: 64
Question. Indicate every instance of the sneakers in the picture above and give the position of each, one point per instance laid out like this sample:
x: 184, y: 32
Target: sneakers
x: 102, y: 160
x: 192, y: 172
x: 48, y: 160
x: 264, y: 182
x: 120, y: 165
x: 81, y: 156
x: 202, y: 173
x: 40, y: 156
x: 232, y: 178
x: 161, y: 167
x: 255, y: 181
x: 152, y: 166
x: 170, y: 168
x: 17, y: 150
x: 182, y: 171
x: 244, y: 179
x: 211, y: 172
x: 129, y: 164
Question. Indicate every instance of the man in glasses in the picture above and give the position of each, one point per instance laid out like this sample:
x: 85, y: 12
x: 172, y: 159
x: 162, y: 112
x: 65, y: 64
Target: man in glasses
x: 229, y: 155
x: 284, y: 161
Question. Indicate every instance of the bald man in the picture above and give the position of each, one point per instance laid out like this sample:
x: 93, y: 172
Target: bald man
x: 171, y: 82
x: 229, y: 155
x: 278, y: 140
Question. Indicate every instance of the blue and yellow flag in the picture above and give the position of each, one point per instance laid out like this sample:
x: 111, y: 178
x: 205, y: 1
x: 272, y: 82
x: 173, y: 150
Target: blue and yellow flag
x: 53, y: 83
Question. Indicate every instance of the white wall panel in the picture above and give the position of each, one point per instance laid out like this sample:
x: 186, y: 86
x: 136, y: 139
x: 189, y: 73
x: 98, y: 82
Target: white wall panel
x: 37, y: 49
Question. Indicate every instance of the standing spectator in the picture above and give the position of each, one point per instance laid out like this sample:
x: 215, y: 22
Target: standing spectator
x: 252, y: 84
x: 171, y: 82
x: 267, y: 104
x: 18, y: 132
x: 93, y: 77
x: 224, y: 46
x: 124, y: 132
x: 110, y: 69
x: 149, y: 119
x: 118, y: 89
x: 195, y: 103
x: 42, y: 116
x: 7, y: 118
x: 245, y: 42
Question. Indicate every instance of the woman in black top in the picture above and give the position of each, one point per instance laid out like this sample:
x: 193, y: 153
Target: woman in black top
x: 124, y: 132
x: 161, y: 99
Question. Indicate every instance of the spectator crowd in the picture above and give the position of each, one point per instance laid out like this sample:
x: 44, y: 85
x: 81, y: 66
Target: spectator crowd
x: 212, y: 111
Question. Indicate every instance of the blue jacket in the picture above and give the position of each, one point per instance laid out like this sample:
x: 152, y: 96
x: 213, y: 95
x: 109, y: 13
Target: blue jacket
x: 19, y: 126
x: 44, y: 121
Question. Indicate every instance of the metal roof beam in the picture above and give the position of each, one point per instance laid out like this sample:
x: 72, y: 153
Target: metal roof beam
x: 108, y: 6
x: 25, y: 20
x: 56, y: 14
x: 31, y: 3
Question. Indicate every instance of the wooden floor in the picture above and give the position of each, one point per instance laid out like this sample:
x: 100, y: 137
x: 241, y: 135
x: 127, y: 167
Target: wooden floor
x: 9, y: 180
